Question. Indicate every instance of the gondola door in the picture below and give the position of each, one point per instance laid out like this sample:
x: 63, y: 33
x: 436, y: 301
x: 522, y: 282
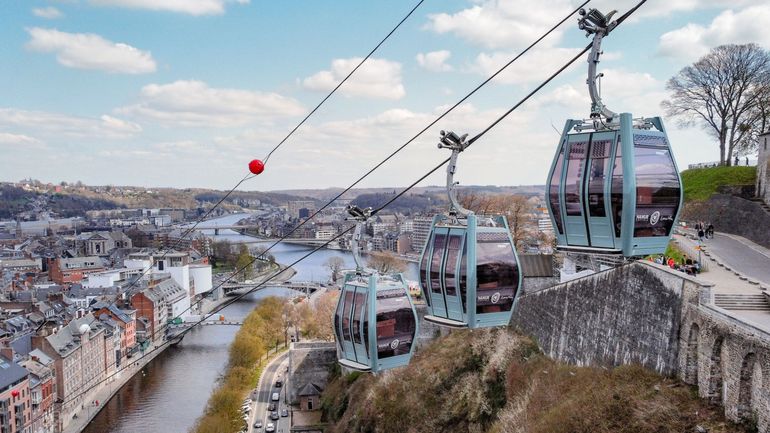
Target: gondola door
x: 597, y: 190
x: 435, y: 272
x: 348, y: 294
x: 451, y: 274
x: 358, y: 320
x: 575, y: 221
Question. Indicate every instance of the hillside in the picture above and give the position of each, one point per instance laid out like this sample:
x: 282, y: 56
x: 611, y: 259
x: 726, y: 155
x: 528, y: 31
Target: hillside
x: 74, y: 200
x: 497, y: 381
x: 701, y: 183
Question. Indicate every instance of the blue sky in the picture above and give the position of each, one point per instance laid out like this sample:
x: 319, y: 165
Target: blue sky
x: 184, y: 93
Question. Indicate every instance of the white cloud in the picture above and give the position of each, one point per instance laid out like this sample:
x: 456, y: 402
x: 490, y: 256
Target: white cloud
x: 435, y: 60
x: 194, y: 103
x: 190, y: 7
x: 58, y: 125
x: 376, y: 78
x: 50, y: 13
x: 537, y: 66
x: 502, y: 24
x: 692, y: 41
x: 90, y: 51
x: 19, y: 141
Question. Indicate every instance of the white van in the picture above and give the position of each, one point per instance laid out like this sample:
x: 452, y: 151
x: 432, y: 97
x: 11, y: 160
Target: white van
x: 275, y: 397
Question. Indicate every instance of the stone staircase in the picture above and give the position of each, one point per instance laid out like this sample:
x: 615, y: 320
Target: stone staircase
x: 761, y: 204
x: 754, y: 302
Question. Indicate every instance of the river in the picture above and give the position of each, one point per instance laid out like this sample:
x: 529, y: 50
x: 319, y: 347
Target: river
x: 174, y: 388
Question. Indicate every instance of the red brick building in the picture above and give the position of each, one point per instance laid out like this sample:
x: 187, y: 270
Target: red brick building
x: 64, y: 271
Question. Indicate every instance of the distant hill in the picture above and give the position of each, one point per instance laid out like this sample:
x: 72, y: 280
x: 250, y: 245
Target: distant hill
x: 329, y: 193
x: 74, y: 200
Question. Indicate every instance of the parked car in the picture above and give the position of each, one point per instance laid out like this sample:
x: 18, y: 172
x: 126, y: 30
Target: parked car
x: 270, y: 427
x: 271, y: 407
x: 285, y: 412
x: 274, y: 415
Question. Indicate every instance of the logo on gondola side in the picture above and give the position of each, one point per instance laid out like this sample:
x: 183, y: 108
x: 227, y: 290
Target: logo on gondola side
x: 495, y: 298
x: 394, y: 344
x: 654, y: 218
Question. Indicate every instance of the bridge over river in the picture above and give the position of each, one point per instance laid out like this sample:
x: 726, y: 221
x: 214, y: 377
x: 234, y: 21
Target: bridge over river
x: 175, y: 331
x: 306, y: 287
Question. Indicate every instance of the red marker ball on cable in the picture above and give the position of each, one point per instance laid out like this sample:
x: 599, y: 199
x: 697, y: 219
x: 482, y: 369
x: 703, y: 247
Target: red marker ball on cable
x: 256, y: 166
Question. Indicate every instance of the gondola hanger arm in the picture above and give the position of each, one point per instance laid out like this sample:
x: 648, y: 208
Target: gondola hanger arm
x: 360, y: 216
x: 599, y: 25
x: 456, y: 143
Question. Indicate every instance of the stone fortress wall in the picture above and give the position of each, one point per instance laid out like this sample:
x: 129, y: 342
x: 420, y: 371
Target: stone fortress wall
x: 647, y: 314
x: 763, y: 168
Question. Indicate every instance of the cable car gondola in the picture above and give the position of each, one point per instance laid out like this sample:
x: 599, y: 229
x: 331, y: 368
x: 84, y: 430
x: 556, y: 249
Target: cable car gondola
x: 614, y: 187
x: 375, y: 322
x: 469, y: 271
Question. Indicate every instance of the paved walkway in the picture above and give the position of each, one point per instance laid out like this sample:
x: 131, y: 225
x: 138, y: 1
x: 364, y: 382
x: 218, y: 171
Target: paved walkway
x: 744, y: 257
x: 741, y: 254
x: 725, y: 282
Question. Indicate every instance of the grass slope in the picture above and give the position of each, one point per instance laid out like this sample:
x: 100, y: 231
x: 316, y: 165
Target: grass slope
x: 700, y: 183
x: 497, y: 381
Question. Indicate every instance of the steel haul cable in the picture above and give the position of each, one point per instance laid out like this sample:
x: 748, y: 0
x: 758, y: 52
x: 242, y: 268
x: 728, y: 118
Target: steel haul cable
x: 433, y: 170
x: 343, y: 81
x: 247, y: 177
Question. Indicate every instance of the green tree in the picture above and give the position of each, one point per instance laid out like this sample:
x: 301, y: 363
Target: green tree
x: 245, y: 263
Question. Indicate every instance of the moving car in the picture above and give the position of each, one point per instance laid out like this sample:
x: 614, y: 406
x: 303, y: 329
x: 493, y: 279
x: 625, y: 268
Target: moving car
x: 275, y: 397
x: 271, y: 407
x: 270, y: 427
x: 258, y: 424
x: 274, y: 416
x: 278, y: 383
x: 285, y: 412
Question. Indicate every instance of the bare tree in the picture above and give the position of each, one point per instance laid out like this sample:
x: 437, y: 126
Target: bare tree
x: 516, y: 208
x: 385, y: 262
x: 335, y: 265
x: 726, y: 92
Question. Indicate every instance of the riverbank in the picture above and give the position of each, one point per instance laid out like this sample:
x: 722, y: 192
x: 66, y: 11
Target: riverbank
x: 261, y: 331
x: 113, y: 384
x: 99, y: 398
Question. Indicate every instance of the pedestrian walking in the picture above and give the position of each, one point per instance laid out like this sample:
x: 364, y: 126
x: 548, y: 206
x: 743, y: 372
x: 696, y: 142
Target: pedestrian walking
x: 710, y: 231
x: 736, y: 160
x: 747, y: 161
x: 701, y: 233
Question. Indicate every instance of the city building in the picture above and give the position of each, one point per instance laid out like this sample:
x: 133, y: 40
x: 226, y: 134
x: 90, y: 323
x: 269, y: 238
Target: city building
x: 77, y: 351
x: 544, y: 225
x: 310, y: 397
x: 300, y: 208
x: 15, y: 408
x: 103, y: 242
x: 160, y: 302
x: 73, y: 270
x: 42, y: 389
x: 82, y: 297
x: 126, y: 320
x: 421, y: 229
x: 112, y: 277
